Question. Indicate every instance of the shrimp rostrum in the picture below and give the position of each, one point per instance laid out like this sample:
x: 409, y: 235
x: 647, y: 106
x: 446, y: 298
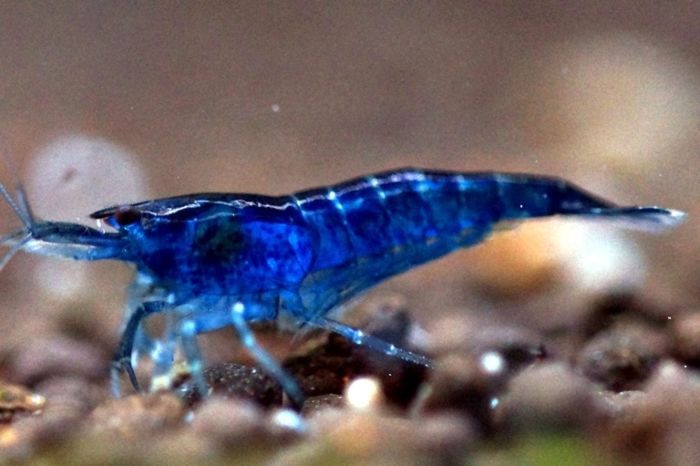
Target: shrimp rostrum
x: 212, y: 260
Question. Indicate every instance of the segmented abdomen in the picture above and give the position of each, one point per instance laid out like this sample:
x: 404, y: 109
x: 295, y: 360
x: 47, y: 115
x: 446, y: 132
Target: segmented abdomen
x: 374, y: 227
x: 373, y: 216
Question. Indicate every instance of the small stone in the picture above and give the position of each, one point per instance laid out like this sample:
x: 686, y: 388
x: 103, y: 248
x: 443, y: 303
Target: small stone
x: 177, y: 447
x: 324, y: 369
x: 461, y: 384
x: 58, y: 355
x: 68, y: 400
x: 616, y: 309
x: 233, y: 380
x: 685, y: 333
x: 549, y: 395
x: 671, y: 381
x: 620, y: 359
x: 619, y: 404
x: 317, y: 404
x: 398, y: 440
x: 134, y: 415
x: 71, y: 394
x: 228, y: 420
x: 517, y: 345
x: 444, y: 432
x: 17, y: 399
x: 328, y: 368
x: 361, y: 434
x: 662, y: 427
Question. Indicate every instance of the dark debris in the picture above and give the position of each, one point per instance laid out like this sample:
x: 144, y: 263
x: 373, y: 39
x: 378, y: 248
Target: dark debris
x: 327, y: 368
x: 233, y: 380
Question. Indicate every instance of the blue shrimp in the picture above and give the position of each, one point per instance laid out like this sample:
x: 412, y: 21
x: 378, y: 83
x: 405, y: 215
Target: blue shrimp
x: 213, y: 260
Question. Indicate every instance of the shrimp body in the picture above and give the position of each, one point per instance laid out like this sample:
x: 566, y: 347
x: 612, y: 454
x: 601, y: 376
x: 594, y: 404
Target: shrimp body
x: 213, y: 260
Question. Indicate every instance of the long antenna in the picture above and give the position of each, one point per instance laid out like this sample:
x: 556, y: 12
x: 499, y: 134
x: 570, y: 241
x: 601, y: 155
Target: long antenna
x: 11, y: 202
x: 23, y: 202
x: 5, y: 258
x: 20, y: 205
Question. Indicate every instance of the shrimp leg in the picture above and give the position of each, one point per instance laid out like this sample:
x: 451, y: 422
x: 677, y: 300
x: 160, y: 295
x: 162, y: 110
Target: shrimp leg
x: 163, y: 353
x: 268, y: 363
x: 193, y: 356
x: 361, y: 338
x: 140, y: 290
x: 122, y: 359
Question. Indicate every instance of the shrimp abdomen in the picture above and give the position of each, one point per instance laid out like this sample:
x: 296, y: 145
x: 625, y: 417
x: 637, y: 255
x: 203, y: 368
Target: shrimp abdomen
x: 401, y: 212
x: 374, y: 227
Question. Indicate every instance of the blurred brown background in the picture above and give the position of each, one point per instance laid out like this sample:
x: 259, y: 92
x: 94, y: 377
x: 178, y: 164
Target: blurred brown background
x: 272, y: 97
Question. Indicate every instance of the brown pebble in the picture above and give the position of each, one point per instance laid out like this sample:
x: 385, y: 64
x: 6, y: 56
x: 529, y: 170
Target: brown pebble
x: 133, y: 415
x: 227, y: 420
x: 399, y: 379
x: 685, y: 333
x: 68, y: 401
x: 72, y: 394
x: 398, y: 440
x: 58, y: 355
x: 619, y: 404
x: 670, y: 381
x: 324, y: 369
x: 444, y: 432
x: 621, y: 359
x: 463, y: 384
x: 17, y: 399
x: 519, y: 346
x: 661, y: 428
x: 233, y: 380
x: 617, y: 308
x: 316, y: 404
x: 174, y: 447
x: 328, y: 367
x: 549, y: 395
x: 363, y: 434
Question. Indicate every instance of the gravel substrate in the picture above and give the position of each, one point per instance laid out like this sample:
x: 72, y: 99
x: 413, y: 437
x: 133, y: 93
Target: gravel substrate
x: 622, y: 389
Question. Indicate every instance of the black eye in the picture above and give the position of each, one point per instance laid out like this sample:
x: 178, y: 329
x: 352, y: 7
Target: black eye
x: 127, y: 215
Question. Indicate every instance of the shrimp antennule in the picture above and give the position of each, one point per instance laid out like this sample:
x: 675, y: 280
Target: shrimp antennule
x: 20, y: 206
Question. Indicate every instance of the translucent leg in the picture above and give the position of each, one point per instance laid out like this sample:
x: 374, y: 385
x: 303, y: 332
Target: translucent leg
x: 360, y: 338
x: 122, y: 359
x: 143, y: 344
x: 268, y: 363
x: 163, y: 354
x: 188, y: 335
x: 140, y: 290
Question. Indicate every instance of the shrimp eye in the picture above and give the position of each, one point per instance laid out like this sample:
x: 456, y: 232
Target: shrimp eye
x: 127, y: 215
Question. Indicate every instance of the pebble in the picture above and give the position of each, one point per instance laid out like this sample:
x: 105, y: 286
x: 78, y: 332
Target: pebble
x: 549, y: 395
x: 461, y: 384
x: 72, y: 397
x: 519, y: 346
x: 685, y: 334
x: 620, y: 359
x: 330, y: 366
x: 17, y: 399
x: 58, y: 355
x: 315, y: 405
x: 233, y: 380
x: 227, y: 420
x: 661, y: 427
x: 132, y: 416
